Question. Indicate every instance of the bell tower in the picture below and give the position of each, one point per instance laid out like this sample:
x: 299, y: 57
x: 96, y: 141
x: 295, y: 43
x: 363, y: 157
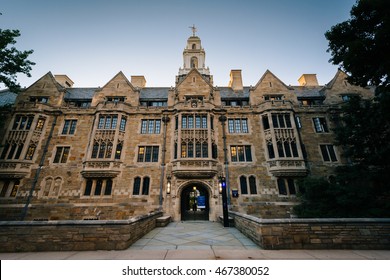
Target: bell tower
x: 194, y: 56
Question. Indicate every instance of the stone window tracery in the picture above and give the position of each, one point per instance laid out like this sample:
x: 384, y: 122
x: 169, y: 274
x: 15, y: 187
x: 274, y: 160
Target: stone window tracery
x: 109, y: 135
x: 194, y: 137
x: 280, y: 136
x: 20, y: 134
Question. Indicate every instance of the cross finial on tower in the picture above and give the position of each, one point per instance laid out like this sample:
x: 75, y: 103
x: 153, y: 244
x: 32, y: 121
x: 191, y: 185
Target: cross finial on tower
x: 193, y: 29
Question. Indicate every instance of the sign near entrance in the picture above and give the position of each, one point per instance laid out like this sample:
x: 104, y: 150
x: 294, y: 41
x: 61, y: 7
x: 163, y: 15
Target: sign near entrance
x: 201, y: 201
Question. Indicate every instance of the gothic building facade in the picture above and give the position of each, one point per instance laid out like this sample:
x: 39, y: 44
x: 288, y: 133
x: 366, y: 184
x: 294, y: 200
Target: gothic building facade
x: 125, y: 149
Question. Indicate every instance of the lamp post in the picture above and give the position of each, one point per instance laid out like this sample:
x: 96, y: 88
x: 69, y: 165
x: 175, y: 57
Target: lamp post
x: 222, y: 184
x: 165, y: 120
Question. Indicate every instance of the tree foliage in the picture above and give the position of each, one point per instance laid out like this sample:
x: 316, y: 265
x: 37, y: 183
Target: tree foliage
x: 360, y: 46
x: 12, y: 61
x: 362, y: 187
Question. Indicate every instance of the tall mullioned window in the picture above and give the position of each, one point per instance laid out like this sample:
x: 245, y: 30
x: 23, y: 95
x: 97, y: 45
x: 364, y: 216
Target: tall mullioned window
x: 191, y: 150
x: 21, y: 131
x: 145, y: 182
x: 98, y: 187
x: 150, y: 126
x: 109, y: 137
x: 238, y: 126
x: 320, y: 125
x: 30, y: 152
x: 240, y: 153
x: 286, y: 149
x: 244, y: 184
x: 61, y: 155
x: 102, y: 149
x: 193, y: 121
x: 69, y: 127
x: 148, y: 153
x: 22, y: 122
x: 107, y: 121
x: 12, y: 150
x: 281, y: 120
x: 328, y: 153
x: 286, y: 186
x: 9, y: 188
x: 122, y: 126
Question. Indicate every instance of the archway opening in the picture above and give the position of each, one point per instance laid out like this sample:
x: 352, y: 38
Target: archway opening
x: 194, y: 62
x: 195, y: 203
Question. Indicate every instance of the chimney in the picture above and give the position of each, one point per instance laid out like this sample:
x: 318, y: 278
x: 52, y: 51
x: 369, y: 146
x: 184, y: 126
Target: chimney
x: 64, y: 80
x: 138, y: 81
x: 308, y: 80
x: 236, y: 80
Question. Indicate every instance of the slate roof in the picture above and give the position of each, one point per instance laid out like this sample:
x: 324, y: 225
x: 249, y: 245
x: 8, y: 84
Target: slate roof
x: 228, y: 93
x: 154, y: 93
x: 308, y: 92
x: 79, y: 93
x: 161, y: 93
x: 7, y: 97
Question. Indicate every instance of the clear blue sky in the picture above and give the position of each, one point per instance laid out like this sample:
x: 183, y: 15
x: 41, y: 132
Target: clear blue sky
x: 91, y: 41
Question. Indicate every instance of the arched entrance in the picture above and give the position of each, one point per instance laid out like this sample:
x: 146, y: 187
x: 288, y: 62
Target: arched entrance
x: 194, y: 202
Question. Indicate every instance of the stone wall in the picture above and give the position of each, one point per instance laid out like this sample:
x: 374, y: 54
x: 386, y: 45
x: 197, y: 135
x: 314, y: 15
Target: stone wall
x: 359, y: 233
x: 74, y: 235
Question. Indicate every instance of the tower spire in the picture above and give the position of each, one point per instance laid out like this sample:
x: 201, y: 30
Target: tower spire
x: 194, y: 56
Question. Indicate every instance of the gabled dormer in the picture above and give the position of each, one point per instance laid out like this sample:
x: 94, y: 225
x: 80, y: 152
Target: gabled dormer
x: 194, y: 86
x: 270, y: 88
x: 118, y: 89
x: 44, y: 91
x: 339, y: 90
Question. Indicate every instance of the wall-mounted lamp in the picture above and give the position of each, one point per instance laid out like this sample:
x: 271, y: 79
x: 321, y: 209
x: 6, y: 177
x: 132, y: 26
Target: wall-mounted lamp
x: 168, y: 185
x: 221, y: 184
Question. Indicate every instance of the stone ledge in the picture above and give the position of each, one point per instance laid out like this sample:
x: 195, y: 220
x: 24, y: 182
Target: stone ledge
x: 163, y: 221
x: 80, y: 222
x: 311, y: 220
x: 17, y: 236
x: 335, y: 233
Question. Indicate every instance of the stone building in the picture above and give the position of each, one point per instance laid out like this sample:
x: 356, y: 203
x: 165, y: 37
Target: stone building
x: 126, y: 149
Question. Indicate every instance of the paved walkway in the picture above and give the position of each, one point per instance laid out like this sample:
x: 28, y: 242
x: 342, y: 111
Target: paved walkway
x: 199, y: 240
x: 194, y: 235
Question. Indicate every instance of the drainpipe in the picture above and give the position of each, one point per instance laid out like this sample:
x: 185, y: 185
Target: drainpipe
x: 38, y: 172
x: 165, y: 120
x: 223, y: 120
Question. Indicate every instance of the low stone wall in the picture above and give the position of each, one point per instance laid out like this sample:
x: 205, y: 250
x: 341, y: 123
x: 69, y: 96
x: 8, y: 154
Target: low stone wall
x: 18, y: 236
x: 315, y: 233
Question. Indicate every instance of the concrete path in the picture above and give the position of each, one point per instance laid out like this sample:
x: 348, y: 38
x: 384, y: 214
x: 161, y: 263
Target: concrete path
x: 199, y: 240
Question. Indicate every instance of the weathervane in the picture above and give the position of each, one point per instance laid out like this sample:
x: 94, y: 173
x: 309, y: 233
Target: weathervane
x: 193, y: 29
